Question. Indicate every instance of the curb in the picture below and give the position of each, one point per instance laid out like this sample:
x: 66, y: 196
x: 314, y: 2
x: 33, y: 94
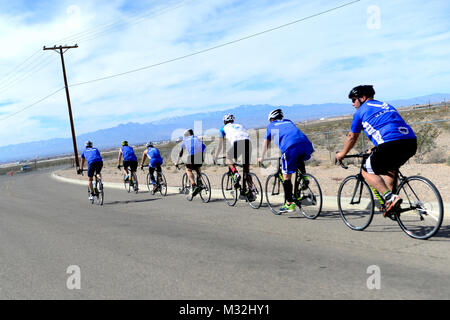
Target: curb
x: 329, y: 202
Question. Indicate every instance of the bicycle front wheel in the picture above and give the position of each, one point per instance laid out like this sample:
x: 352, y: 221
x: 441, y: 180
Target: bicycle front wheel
x: 310, y: 199
x: 421, y: 212
x: 185, y: 184
x: 274, y: 193
x: 230, y: 194
x: 256, y: 192
x: 149, y: 182
x: 356, y: 203
x: 205, y: 194
x: 162, y: 184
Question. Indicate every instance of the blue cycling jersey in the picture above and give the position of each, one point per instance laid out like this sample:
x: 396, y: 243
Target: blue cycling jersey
x: 285, y: 134
x: 381, y: 123
x: 128, y: 154
x: 91, y: 155
x: 193, y: 145
x: 154, y: 156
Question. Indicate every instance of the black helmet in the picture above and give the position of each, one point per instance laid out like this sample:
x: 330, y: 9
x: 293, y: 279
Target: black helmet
x: 362, y: 90
x: 275, y: 114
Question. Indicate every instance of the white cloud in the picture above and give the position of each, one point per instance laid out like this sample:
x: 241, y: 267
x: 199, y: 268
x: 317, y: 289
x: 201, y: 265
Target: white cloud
x: 315, y: 61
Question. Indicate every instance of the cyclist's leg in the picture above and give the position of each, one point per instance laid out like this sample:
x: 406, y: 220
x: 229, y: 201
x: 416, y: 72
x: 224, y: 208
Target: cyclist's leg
x: 231, y: 155
x: 91, y: 171
x: 288, y: 167
x: 151, y: 170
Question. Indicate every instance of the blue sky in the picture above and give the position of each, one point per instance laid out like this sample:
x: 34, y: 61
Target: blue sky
x: 402, y: 47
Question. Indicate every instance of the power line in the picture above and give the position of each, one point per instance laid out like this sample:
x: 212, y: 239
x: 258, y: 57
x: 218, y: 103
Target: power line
x: 32, y: 105
x: 189, y: 55
x: 215, y: 47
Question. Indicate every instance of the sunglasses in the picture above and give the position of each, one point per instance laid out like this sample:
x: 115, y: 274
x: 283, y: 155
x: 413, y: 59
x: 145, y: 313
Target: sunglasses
x: 353, y: 100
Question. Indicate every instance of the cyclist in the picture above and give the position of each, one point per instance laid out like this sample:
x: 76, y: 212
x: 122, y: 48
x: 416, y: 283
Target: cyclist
x: 129, y: 159
x: 240, y: 146
x: 95, y: 165
x: 394, y: 141
x: 154, y: 162
x: 295, y: 149
x: 195, y: 149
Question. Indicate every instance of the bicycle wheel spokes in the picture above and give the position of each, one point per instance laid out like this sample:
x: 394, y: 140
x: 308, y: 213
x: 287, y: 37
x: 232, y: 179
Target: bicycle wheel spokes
x: 274, y: 193
x: 255, y: 196
x: 135, y: 182
x: 149, y: 182
x: 230, y: 194
x: 310, y: 199
x: 99, y: 194
x: 127, y: 184
x: 355, y: 202
x: 421, y: 212
x: 205, y: 194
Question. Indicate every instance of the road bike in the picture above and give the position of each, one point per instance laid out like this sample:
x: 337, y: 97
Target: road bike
x: 307, y: 193
x: 202, y: 181
x: 420, y: 215
x: 160, y: 183
x: 130, y: 181
x: 97, y: 187
x: 232, y: 189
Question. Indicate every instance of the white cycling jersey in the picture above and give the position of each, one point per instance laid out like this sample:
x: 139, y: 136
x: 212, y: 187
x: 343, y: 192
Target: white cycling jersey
x: 234, y: 132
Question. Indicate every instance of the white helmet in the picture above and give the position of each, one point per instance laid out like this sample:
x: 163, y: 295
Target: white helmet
x: 277, y: 113
x: 228, y: 118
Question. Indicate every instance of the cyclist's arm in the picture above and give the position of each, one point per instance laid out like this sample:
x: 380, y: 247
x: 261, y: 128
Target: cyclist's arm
x: 82, y: 163
x: 120, y: 157
x: 350, y: 142
x: 219, y: 147
x: 264, y: 149
x: 143, y: 157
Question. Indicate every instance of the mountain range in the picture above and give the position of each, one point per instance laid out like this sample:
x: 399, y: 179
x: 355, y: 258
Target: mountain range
x: 252, y: 116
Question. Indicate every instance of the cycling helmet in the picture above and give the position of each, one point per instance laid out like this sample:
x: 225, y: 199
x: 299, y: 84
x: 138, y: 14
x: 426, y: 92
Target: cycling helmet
x: 149, y: 144
x: 124, y: 143
x: 88, y: 144
x: 361, y: 91
x: 228, y: 118
x: 275, y: 114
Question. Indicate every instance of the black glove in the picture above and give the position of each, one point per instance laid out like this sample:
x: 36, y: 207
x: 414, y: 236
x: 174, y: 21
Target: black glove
x: 79, y: 171
x: 118, y: 167
x: 142, y: 167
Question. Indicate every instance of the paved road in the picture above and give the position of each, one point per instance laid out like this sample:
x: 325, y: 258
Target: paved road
x: 145, y: 247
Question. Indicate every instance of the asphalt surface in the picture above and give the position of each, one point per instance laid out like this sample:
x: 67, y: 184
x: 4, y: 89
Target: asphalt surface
x: 139, y: 246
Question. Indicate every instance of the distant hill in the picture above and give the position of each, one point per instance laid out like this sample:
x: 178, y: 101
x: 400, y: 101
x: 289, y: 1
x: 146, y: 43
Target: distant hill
x: 252, y: 116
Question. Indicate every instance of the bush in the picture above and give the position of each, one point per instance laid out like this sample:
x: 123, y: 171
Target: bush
x: 426, y: 140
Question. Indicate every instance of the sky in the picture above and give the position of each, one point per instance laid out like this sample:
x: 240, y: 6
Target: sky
x: 146, y: 60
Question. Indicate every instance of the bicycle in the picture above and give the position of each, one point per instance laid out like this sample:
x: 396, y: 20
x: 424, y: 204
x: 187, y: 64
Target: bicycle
x: 161, y: 183
x: 130, y: 182
x: 420, y: 215
x: 202, y: 181
x: 307, y: 193
x: 231, y: 188
x: 97, y: 187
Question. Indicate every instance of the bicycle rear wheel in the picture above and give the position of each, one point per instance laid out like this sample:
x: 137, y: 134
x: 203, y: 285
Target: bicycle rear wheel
x: 126, y: 183
x: 230, y: 194
x: 205, y: 194
x: 421, y: 212
x: 135, y: 182
x: 355, y: 202
x: 274, y: 193
x: 100, y: 193
x: 256, y: 192
x: 149, y: 182
x: 310, y: 199
x: 162, y: 184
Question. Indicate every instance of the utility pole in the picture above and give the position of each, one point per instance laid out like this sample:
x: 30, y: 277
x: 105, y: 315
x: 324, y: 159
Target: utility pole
x: 61, y: 52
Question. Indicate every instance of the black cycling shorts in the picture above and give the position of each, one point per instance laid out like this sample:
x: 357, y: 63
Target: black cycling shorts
x: 195, y: 161
x: 94, y: 167
x: 241, y: 148
x: 390, y: 156
x: 130, y: 164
